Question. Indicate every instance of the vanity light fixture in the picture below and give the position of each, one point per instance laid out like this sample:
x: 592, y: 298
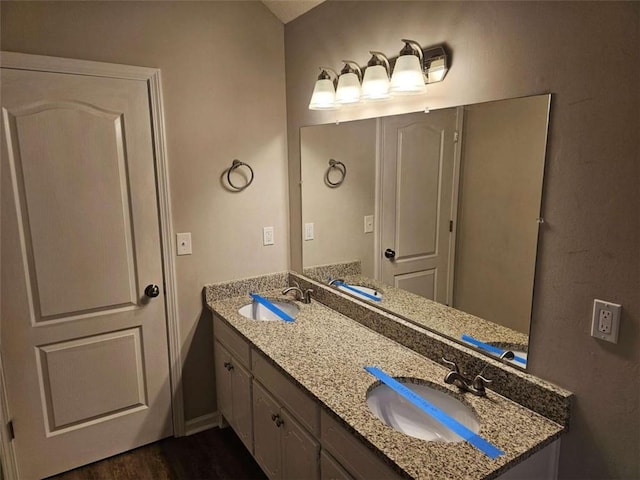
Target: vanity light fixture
x: 408, y: 75
x: 375, y: 84
x: 413, y: 69
x: 348, y: 90
x: 324, y: 92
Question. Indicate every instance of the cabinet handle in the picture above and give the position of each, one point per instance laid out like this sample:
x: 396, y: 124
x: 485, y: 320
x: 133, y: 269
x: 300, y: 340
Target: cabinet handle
x: 276, y: 418
x: 228, y: 366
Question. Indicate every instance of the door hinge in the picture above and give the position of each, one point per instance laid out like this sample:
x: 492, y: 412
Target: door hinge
x: 451, y: 225
x: 456, y: 136
x: 11, y: 432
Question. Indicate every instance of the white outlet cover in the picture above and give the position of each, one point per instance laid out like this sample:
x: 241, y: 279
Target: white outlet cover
x: 183, y: 243
x: 368, y: 224
x: 601, y: 311
x: 268, y: 236
x: 308, y: 231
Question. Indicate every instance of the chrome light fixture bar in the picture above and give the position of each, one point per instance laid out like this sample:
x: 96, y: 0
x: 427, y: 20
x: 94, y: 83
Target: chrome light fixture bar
x: 413, y: 69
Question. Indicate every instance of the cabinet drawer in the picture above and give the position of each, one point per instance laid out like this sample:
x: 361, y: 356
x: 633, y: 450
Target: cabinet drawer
x: 237, y: 346
x: 297, y: 402
x: 361, y: 462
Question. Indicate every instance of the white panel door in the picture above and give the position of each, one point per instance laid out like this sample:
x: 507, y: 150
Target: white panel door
x: 84, y: 348
x: 418, y: 153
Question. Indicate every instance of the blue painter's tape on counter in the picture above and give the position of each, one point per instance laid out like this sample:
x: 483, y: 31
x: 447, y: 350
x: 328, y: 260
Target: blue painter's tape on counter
x: 490, y: 348
x: 270, y: 306
x: 359, y: 292
x: 452, y: 424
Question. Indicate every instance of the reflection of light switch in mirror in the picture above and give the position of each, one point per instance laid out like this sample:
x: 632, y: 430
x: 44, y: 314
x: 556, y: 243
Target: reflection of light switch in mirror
x: 183, y: 241
x: 368, y: 223
x: 308, y: 231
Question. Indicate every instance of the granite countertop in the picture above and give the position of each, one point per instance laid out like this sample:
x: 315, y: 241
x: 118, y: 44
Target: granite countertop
x: 438, y: 317
x: 325, y: 352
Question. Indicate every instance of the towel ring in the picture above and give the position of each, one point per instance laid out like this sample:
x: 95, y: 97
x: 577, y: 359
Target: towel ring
x: 234, y: 165
x: 334, y: 164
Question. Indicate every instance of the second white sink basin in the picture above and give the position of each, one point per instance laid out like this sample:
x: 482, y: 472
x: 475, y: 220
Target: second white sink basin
x: 257, y: 311
x: 397, y: 412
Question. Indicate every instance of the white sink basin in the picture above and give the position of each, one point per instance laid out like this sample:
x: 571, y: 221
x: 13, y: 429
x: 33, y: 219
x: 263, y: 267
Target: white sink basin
x: 397, y: 412
x: 257, y: 311
x: 355, y: 289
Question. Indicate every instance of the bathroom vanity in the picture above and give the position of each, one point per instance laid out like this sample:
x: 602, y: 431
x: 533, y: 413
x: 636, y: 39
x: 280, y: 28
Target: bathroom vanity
x: 296, y: 394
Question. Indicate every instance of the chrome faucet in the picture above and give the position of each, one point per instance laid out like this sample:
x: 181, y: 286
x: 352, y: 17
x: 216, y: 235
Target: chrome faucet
x: 300, y: 295
x: 475, y: 386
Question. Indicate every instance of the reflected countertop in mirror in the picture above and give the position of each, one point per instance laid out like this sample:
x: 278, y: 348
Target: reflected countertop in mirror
x: 423, y: 312
x: 439, y: 211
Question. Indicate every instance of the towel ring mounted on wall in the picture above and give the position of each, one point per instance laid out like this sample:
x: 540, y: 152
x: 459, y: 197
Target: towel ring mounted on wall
x: 340, y: 167
x: 235, y: 165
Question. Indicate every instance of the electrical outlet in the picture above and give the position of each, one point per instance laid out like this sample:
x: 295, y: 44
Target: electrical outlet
x: 605, y: 321
x: 267, y: 236
x: 308, y: 231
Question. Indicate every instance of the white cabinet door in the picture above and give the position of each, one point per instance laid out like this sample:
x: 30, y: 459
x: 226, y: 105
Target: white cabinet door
x: 266, y: 433
x: 241, y: 404
x: 84, y: 348
x: 300, y: 451
x: 223, y: 381
x: 330, y: 469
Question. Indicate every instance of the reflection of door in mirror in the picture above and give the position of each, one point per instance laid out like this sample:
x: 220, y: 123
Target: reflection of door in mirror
x: 417, y: 171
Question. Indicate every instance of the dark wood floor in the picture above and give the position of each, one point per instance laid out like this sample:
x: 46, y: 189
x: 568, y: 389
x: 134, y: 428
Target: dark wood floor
x: 213, y: 454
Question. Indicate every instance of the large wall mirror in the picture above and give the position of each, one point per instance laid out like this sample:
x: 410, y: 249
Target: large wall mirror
x: 424, y: 213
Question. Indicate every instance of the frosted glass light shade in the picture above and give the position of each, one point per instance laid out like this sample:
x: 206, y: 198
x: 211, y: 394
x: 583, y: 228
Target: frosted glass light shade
x: 375, y: 85
x: 348, y: 90
x: 407, y: 78
x: 324, y: 96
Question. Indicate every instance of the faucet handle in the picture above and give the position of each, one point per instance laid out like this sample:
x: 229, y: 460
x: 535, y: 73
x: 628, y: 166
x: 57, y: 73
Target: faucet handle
x: 453, y: 365
x: 479, y: 382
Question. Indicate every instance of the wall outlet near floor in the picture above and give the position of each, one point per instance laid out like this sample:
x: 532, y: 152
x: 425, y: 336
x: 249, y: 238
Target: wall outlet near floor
x: 308, y: 231
x: 267, y: 236
x: 605, y: 320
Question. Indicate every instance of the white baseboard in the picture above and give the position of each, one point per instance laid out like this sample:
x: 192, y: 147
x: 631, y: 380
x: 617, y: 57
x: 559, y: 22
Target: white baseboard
x: 202, y: 423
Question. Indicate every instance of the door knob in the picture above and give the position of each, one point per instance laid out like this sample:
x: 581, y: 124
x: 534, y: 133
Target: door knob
x: 152, y: 291
x: 390, y: 254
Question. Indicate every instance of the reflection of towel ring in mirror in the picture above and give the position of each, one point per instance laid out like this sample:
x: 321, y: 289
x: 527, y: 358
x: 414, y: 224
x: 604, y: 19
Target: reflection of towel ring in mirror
x: 234, y: 165
x: 334, y: 164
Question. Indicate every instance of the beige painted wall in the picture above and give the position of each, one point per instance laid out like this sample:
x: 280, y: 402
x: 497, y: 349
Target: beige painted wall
x: 586, y: 55
x: 211, y: 55
x: 338, y: 213
x: 501, y: 173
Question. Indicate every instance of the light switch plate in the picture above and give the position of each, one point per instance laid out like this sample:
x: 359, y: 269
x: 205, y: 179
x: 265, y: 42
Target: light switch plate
x: 183, y: 243
x: 308, y: 231
x: 267, y: 236
x: 368, y: 224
